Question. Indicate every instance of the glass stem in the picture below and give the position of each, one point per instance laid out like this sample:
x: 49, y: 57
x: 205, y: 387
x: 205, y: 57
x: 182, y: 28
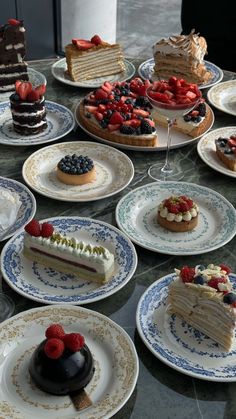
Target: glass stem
x: 166, y: 169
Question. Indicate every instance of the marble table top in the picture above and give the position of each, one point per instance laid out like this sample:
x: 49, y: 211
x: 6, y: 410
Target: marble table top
x: 160, y: 391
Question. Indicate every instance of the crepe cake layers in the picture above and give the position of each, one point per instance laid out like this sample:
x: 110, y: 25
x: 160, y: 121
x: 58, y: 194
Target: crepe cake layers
x: 182, y: 56
x: 91, y: 59
x: 12, y: 52
x: 203, y: 297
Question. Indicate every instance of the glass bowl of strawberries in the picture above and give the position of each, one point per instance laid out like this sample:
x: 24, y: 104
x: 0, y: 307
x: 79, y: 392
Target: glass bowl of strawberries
x: 172, y: 98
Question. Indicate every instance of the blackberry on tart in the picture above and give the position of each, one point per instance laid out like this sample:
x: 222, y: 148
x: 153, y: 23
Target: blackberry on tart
x: 28, y: 108
x: 76, y: 170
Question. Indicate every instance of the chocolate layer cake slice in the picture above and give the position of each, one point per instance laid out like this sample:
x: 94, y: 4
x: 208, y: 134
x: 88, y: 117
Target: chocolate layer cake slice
x: 12, y: 53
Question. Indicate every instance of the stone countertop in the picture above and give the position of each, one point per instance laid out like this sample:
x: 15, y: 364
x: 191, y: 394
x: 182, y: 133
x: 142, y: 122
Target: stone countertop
x: 160, y: 391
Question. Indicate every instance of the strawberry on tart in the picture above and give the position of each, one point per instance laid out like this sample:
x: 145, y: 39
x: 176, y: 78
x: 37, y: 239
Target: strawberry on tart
x: 89, y: 59
x: 76, y: 170
x: 178, y: 214
x: 204, y: 298
x: 120, y: 112
x: 226, y: 151
x: 62, y: 364
x: 28, y: 108
x: 66, y: 254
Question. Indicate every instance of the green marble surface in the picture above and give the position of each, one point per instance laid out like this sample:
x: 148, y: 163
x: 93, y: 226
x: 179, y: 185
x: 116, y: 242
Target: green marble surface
x: 161, y: 392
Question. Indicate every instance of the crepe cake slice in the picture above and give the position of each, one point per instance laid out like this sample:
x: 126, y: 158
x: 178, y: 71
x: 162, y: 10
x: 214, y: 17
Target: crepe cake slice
x: 91, y: 59
x: 204, y: 298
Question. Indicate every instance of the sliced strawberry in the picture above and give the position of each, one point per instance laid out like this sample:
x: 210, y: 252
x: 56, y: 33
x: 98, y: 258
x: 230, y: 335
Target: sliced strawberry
x: 135, y: 123
x: 100, y: 94
x: 141, y: 112
x: 83, y: 45
x: 169, y: 94
x: 150, y: 121
x: 96, y: 40
x: 91, y: 109
x: 172, y: 81
x: 194, y: 113
x: 13, y: 22
x: 101, y: 108
x: 24, y: 89
x: 41, y: 89
x: 98, y: 116
x: 107, y: 86
x: 116, y: 118
x: 114, y: 127
x: 225, y: 268
x: 110, y: 96
x: 161, y: 97
x: 191, y: 95
x: 17, y: 84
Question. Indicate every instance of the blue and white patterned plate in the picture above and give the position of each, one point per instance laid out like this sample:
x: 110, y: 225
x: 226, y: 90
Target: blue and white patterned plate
x: 27, y: 209
x: 47, y: 286
x: 136, y: 216
x: 59, y: 118
x: 35, y: 77
x: 145, y: 71
x: 178, y: 344
x: 59, y: 72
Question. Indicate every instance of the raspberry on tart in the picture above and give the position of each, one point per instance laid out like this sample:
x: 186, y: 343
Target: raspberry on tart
x: 76, y: 170
x: 62, y: 363
x: 178, y: 214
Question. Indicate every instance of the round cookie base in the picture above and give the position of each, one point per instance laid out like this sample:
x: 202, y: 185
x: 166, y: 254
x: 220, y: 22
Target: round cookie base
x: 177, y: 227
x: 76, y: 180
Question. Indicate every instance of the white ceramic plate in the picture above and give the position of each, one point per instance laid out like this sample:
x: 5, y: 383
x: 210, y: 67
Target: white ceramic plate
x: 114, y: 171
x: 27, y: 209
x: 178, y: 139
x: 59, y: 118
x: 35, y: 77
x: 145, y: 71
x: 223, y: 97
x: 136, y: 216
x: 207, y: 150
x: 115, y: 357
x: 45, y: 285
x: 60, y: 67
x: 178, y: 344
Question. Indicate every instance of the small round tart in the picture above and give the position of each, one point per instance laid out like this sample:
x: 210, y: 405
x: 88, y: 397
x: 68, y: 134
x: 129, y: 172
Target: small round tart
x: 76, y: 170
x: 178, y: 214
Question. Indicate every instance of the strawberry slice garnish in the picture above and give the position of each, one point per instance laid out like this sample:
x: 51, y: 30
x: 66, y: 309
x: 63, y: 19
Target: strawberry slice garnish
x: 13, y: 22
x: 100, y: 94
x: 33, y: 96
x: 96, y: 40
x: 114, y: 127
x: 91, y: 109
x: 82, y: 44
x: 40, y: 89
x: 24, y: 89
x: 116, y: 118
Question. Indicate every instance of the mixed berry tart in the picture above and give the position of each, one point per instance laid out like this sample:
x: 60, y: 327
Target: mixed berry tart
x: 66, y: 254
x: 178, y: 214
x: 203, y: 296
x: 62, y: 364
x: 120, y: 112
x: 76, y: 170
x: 28, y: 108
x: 226, y: 151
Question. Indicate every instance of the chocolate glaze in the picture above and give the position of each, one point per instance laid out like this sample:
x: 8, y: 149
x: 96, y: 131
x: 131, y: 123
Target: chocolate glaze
x: 66, y: 375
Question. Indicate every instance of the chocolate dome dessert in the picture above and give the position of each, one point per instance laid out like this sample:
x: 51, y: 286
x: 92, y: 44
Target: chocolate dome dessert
x: 62, y: 364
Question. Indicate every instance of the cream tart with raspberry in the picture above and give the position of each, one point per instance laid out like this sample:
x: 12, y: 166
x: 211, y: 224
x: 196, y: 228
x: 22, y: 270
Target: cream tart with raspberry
x: 203, y: 296
x: 120, y: 112
x: 76, y: 170
x: 178, y: 214
x: 62, y: 364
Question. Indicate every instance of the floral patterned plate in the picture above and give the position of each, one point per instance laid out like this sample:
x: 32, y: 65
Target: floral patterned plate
x: 178, y: 344
x: 207, y: 150
x: 59, y: 72
x: 114, y: 171
x: 45, y: 285
x: 60, y: 122
x: 27, y: 209
x: 145, y: 71
x: 136, y: 216
x: 115, y: 358
x: 223, y: 96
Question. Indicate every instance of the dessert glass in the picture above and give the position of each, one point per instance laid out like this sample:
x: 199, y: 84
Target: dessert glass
x: 171, y: 111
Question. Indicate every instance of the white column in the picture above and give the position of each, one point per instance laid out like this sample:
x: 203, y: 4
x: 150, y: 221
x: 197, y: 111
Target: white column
x: 84, y: 18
